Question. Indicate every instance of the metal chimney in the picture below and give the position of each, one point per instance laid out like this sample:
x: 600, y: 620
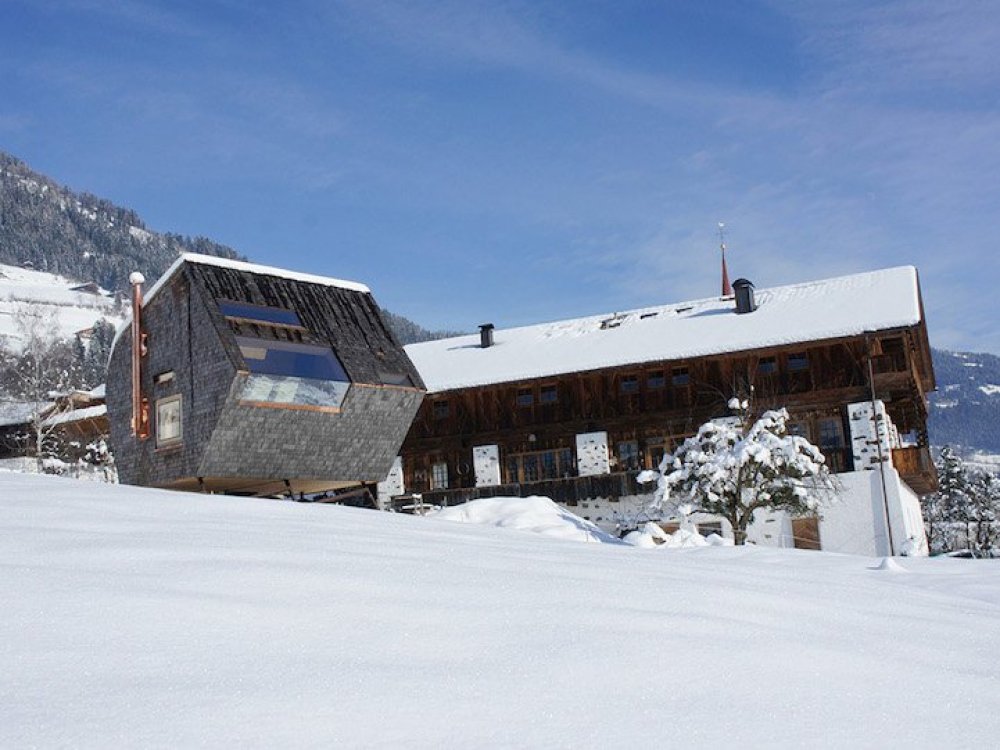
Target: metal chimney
x: 140, y: 406
x: 745, y: 302
x: 486, y: 335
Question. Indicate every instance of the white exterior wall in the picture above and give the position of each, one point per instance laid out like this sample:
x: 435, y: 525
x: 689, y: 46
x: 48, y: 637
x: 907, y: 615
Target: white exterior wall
x: 867, y: 433
x: 486, y: 463
x: 854, y: 523
x: 592, y: 455
x: 392, y: 484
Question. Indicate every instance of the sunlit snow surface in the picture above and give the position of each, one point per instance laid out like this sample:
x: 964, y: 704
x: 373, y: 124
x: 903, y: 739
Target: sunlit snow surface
x: 146, y: 618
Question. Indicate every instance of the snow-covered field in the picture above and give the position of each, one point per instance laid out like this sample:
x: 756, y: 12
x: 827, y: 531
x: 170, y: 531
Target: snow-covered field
x: 146, y: 618
x: 53, y: 297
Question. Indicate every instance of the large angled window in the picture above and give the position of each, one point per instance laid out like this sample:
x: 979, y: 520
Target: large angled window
x: 287, y: 365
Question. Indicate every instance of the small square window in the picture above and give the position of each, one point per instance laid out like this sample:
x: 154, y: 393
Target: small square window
x: 629, y: 384
x: 767, y: 366
x: 549, y: 394
x: 798, y: 362
x: 681, y: 376
x: 441, y: 410
x: 168, y: 421
x: 525, y: 397
x: 656, y: 380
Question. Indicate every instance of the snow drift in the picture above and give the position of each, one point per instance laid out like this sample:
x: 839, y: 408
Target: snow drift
x: 147, y: 618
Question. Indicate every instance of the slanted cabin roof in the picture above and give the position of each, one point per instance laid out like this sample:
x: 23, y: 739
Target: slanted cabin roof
x: 798, y: 313
x: 342, y: 313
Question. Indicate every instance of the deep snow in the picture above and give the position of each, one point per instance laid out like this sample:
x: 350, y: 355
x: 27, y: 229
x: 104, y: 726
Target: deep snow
x: 148, y: 618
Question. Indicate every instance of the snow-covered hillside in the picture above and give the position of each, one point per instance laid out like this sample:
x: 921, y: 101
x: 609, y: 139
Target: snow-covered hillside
x: 146, y: 618
x: 71, y: 310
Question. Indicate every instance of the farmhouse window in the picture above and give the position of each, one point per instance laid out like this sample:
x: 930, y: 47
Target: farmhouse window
x: 798, y: 361
x: 549, y: 394
x: 681, y: 376
x: 538, y: 465
x: 656, y: 380
x: 831, y: 434
x: 525, y: 397
x: 441, y: 409
x: 439, y: 476
x: 767, y: 365
x: 628, y: 455
x: 629, y: 384
x: 168, y: 421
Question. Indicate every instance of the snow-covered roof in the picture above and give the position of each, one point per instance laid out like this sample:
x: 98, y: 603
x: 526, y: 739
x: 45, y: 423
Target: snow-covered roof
x: 77, y: 415
x: 239, y: 265
x: 799, y: 313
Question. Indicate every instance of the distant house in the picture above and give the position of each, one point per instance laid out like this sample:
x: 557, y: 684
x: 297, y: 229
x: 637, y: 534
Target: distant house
x: 72, y: 421
x: 257, y: 380
x: 575, y: 409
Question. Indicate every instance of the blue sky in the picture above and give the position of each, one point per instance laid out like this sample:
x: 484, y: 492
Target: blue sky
x: 519, y: 162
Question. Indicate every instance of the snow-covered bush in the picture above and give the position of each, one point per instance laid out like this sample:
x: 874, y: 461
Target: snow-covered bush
x: 734, y: 467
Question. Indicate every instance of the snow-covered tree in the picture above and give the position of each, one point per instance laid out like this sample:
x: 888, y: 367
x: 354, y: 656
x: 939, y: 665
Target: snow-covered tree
x: 942, y: 508
x: 982, y: 515
x: 737, y: 466
x: 965, y: 510
x: 44, y: 367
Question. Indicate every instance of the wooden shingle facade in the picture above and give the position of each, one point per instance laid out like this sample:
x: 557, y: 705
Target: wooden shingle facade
x: 260, y: 381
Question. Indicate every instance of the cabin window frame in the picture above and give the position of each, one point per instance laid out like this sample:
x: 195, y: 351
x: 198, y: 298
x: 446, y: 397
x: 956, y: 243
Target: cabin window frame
x: 524, y: 398
x: 548, y: 394
x: 656, y: 380
x: 161, y: 405
x: 282, y: 342
x: 680, y: 377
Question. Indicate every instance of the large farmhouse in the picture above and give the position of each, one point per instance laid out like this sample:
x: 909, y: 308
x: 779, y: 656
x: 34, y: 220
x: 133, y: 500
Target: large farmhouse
x: 246, y: 379
x: 575, y: 409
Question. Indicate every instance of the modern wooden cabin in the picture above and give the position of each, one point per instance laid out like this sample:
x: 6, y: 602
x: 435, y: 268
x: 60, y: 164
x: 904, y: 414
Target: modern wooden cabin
x: 256, y: 380
x: 573, y: 410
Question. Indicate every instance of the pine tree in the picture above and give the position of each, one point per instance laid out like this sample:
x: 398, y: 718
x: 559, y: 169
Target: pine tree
x: 945, y: 508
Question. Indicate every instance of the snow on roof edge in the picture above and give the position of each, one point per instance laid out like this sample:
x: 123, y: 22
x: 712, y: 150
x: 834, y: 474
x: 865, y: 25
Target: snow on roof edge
x: 480, y: 376
x: 238, y: 265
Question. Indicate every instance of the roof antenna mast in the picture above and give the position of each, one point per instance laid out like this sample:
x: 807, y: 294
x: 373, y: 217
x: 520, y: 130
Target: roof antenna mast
x: 727, y: 289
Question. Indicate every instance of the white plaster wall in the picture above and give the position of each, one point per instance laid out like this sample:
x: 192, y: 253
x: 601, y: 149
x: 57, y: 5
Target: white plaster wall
x: 592, y: 455
x: 486, y: 462
x: 392, y: 484
x: 771, y: 529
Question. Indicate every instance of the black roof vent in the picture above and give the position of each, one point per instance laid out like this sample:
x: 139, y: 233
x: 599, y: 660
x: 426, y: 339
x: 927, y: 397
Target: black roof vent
x: 486, y: 335
x: 745, y: 303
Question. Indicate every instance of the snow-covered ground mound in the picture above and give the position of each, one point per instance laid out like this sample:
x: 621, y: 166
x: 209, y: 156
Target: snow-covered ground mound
x: 155, y: 619
x: 651, y: 535
x: 535, y: 514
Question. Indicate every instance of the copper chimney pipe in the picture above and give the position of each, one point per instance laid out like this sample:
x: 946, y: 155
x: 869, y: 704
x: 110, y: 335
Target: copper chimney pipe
x: 140, y: 406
